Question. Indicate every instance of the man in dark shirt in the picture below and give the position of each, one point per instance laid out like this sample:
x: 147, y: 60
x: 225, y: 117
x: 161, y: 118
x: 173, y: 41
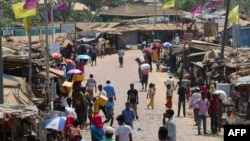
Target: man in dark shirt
x: 182, y: 94
x: 133, y: 98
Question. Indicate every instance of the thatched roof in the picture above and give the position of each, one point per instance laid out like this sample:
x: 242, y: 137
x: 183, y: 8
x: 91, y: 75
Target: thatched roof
x: 205, y: 46
x: 95, y: 25
x: 139, y: 10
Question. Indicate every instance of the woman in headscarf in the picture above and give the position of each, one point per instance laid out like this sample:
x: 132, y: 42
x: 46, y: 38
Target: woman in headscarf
x: 68, y: 124
x: 97, y: 132
x: 204, y: 89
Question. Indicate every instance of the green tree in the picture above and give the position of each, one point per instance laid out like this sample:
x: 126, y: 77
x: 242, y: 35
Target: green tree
x: 244, y: 5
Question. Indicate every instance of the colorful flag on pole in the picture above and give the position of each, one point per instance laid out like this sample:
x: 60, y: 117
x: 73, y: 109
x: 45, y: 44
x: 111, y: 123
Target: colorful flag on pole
x: 61, y: 7
x: 26, y: 24
x: 196, y: 10
x: 168, y: 4
x: 30, y: 4
x: 234, y: 14
x: 22, y: 13
x: 208, y: 5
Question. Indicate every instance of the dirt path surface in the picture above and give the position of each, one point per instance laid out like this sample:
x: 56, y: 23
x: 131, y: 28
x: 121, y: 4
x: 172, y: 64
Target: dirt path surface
x: 149, y: 120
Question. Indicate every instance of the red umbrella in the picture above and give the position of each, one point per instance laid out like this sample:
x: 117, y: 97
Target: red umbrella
x: 71, y: 61
x: 158, y: 45
x: 148, y: 50
x: 56, y: 55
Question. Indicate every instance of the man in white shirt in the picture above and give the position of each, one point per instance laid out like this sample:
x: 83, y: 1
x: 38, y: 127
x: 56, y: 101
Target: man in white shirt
x: 102, y: 92
x: 177, y: 39
x: 123, y: 132
x: 195, y: 96
x: 120, y: 55
x: 170, y: 81
x: 91, y: 86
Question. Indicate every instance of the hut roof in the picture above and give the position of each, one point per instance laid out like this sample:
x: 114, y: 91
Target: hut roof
x: 139, y: 10
x: 205, y: 46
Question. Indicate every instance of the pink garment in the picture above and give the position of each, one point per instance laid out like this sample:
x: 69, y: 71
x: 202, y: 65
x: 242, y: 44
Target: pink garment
x: 80, y: 66
x: 203, y: 106
x: 68, y: 123
x: 204, y: 90
x: 97, y: 120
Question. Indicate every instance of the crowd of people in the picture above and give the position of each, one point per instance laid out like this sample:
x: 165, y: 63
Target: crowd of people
x: 83, y: 109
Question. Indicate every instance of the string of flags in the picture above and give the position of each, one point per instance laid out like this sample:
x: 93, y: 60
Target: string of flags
x: 24, y: 10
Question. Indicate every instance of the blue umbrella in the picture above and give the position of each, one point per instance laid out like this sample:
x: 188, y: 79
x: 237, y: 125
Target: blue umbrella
x: 84, y: 57
x: 56, y: 123
x: 167, y: 44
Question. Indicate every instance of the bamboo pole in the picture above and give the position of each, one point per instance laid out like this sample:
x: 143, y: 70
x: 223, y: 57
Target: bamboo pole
x: 225, y: 30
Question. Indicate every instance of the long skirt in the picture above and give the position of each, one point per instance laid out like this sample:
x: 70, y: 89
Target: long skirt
x: 169, y: 102
x: 151, y: 101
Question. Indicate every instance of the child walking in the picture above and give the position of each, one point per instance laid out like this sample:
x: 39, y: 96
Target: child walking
x: 168, y: 96
x: 90, y: 113
x: 150, y: 95
x: 188, y: 93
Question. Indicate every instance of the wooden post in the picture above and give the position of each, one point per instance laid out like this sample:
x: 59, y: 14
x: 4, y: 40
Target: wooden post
x: 225, y: 30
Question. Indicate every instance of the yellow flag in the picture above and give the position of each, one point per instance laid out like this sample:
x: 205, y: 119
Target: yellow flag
x: 22, y: 13
x: 234, y: 14
x: 168, y: 4
x: 26, y: 24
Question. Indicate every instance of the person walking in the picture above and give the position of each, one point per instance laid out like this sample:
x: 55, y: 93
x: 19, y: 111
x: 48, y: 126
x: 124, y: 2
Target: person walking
x: 202, y: 114
x: 91, y: 86
x: 97, y: 131
x: 170, y: 81
x: 129, y: 114
x: 188, y: 93
x: 170, y: 124
x: 109, y: 89
x: 80, y: 102
x: 181, y: 101
x: 144, y: 79
x: 213, y: 112
x: 150, y: 95
x: 123, y: 132
x: 195, y: 96
x: 103, y: 93
x: 169, y: 94
x: 110, y: 111
x: 120, y: 56
x: 133, y: 98
x: 93, y: 56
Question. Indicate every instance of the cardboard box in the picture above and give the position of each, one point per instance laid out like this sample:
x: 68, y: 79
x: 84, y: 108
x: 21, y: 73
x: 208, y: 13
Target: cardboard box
x: 66, y: 87
x: 78, y: 77
x: 101, y: 100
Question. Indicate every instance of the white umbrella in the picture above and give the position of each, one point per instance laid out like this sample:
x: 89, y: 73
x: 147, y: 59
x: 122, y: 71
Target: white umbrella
x: 56, y: 123
x: 222, y: 94
x: 167, y: 44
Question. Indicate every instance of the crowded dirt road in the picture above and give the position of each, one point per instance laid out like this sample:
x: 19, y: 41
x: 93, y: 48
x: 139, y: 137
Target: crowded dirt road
x: 146, y: 127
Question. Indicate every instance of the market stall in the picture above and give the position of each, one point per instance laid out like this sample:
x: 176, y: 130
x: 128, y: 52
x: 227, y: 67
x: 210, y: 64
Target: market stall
x: 240, y: 113
x: 19, y: 122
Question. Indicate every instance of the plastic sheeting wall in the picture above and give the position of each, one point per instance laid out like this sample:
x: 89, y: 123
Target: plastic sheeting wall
x: 128, y: 38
